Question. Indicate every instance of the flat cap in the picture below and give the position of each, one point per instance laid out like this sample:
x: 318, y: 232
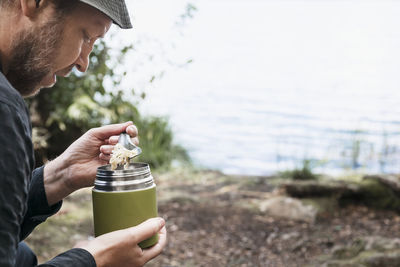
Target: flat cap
x: 115, y: 9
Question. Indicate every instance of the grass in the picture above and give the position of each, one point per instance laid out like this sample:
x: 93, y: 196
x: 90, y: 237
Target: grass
x: 305, y: 172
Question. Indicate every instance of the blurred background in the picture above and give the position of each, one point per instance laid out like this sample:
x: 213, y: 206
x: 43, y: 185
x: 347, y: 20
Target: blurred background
x: 262, y: 120
x: 257, y: 87
x: 246, y: 87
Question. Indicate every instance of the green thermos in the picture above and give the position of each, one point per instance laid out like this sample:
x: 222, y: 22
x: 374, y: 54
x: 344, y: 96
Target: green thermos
x: 124, y: 198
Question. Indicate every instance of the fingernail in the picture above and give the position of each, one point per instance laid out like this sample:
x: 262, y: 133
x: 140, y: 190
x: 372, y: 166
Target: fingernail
x: 161, y: 222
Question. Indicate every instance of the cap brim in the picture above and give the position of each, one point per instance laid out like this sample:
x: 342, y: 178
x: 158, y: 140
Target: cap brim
x: 116, y: 10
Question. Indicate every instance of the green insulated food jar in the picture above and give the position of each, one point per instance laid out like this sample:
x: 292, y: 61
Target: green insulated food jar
x: 124, y: 198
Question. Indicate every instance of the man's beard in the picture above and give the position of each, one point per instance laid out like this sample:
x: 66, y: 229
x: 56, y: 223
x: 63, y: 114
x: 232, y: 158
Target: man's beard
x: 32, y: 56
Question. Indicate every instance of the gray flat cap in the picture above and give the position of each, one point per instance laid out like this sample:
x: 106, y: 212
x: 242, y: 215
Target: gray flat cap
x: 115, y: 9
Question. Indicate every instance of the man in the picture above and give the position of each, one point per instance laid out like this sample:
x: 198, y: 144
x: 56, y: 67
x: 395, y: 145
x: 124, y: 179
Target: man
x: 40, y: 40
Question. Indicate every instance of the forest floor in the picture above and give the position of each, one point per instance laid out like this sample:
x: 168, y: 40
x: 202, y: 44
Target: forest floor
x: 215, y: 220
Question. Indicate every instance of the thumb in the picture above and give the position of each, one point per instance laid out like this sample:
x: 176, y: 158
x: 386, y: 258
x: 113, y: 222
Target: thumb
x: 146, y: 229
x: 106, y: 131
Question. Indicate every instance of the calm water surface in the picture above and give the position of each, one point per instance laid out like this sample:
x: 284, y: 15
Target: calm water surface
x: 276, y: 82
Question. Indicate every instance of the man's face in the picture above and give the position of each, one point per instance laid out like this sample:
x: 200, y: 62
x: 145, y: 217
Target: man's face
x: 54, y: 47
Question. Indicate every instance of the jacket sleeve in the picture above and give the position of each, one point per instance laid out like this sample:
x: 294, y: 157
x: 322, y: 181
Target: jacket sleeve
x: 76, y: 257
x: 38, y: 209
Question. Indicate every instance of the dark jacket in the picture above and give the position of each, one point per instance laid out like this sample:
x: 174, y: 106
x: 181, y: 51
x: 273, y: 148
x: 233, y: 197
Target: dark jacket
x: 23, y: 202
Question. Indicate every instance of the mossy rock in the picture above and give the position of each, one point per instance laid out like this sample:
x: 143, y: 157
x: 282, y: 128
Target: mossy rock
x: 372, y: 251
x: 369, y: 258
x: 322, y: 204
x: 341, y: 264
x: 349, y: 252
x: 379, y: 259
x: 374, y: 194
x: 369, y: 192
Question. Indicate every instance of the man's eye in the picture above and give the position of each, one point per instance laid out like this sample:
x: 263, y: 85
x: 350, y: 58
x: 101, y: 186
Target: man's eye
x: 86, y: 38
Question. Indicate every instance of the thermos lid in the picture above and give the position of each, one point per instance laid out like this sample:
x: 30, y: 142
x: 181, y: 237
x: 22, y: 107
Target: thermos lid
x: 136, y: 176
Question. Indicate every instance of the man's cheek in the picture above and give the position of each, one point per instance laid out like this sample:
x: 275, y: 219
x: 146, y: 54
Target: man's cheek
x: 66, y: 61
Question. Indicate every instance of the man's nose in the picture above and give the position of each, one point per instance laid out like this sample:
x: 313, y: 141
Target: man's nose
x: 82, y: 63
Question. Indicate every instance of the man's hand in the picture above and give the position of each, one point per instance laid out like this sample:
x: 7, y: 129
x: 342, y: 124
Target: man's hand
x: 120, y: 248
x: 76, y: 167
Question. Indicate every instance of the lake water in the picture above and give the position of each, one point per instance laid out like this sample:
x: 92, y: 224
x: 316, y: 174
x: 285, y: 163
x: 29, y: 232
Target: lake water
x: 273, y: 83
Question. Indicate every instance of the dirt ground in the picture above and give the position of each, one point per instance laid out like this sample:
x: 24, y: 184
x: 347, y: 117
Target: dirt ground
x: 213, y: 220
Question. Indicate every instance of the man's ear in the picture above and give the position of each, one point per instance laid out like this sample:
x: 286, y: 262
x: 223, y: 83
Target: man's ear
x: 29, y: 8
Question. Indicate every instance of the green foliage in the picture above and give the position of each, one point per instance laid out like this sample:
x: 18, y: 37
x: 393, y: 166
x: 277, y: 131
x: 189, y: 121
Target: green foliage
x: 80, y: 102
x: 156, y: 139
x: 377, y: 195
x: 303, y: 173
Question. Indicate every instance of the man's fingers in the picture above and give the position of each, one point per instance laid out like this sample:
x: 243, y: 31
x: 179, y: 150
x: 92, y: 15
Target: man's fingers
x: 113, y: 140
x: 104, y: 157
x: 135, y: 140
x: 106, y: 149
x: 153, y: 251
x: 104, y: 132
x: 132, y: 130
x: 146, y: 229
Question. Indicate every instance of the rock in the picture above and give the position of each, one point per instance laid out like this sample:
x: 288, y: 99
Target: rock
x: 381, y: 192
x: 348, y: 252
x: 372, y: 251
x: 319, y: 188
x: 380, y: 243
x: 388, y: 259
x: 391, y: 181
x: 289, y: 208
x: 375, y: 194
x: 323, y: 205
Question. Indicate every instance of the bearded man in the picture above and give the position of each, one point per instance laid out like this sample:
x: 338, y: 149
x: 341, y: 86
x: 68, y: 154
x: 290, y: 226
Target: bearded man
x: 40, y: 40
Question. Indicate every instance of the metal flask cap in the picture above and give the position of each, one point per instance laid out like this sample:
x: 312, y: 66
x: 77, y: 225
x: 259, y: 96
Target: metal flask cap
x: 125, y: 140
x: 137, y: 176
